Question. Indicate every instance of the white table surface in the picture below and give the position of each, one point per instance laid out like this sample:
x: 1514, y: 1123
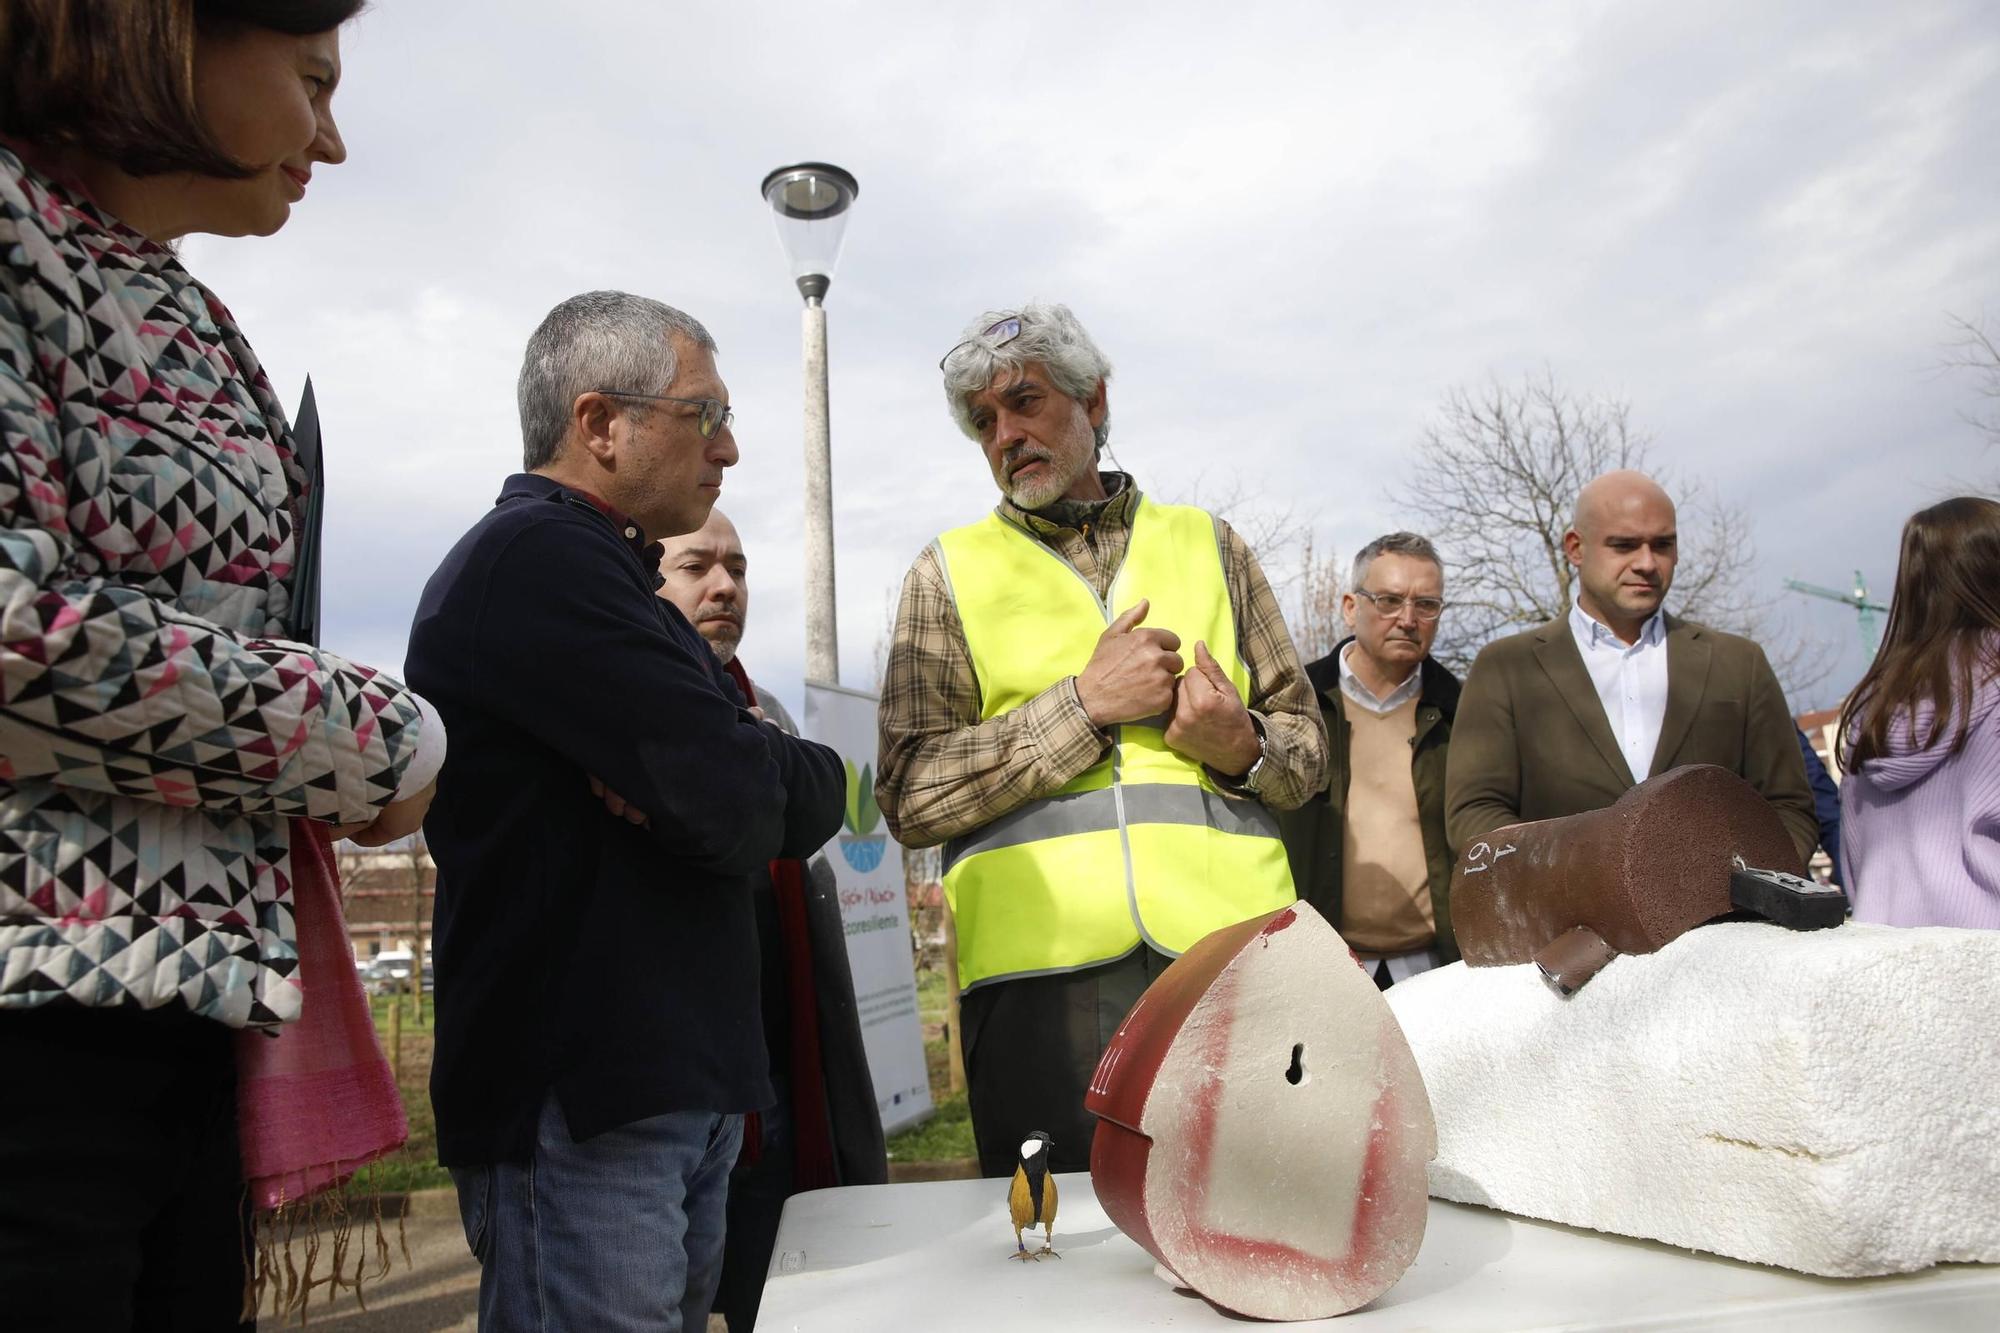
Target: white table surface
x: 934, y: 1256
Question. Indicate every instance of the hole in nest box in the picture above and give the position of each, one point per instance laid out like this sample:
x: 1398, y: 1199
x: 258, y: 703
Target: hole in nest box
x: 1297, y: 1072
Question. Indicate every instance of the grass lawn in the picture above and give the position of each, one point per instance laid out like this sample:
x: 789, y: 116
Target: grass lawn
x: 416, y: 1166
x: 947, y: 1135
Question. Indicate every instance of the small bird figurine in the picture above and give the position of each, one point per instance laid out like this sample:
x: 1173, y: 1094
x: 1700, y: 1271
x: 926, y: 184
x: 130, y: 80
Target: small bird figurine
x: 1032, y: 1199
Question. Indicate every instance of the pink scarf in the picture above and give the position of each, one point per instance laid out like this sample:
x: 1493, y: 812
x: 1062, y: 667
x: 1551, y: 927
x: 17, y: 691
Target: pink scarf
x: 316, y: 1102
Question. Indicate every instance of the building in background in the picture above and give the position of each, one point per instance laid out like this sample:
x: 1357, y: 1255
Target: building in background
x: 1820, y: 728
x: 387, y: 894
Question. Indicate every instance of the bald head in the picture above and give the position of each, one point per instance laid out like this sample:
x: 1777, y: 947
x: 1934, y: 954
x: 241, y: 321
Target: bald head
x: 1623, y: 543
x: 1618, y: 495
x: 707, y: 576
x: 718, y: 529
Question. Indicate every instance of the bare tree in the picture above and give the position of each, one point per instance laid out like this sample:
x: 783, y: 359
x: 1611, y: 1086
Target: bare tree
x: 423, y: 877
x: 1972, y: 348
x: 1271, y: 531
x: 1307, y: 579
x: 1494, y: 484
x: 1314, y: 615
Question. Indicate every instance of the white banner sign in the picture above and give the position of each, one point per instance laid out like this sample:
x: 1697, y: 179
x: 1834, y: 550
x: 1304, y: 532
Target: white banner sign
x: 875, y: 908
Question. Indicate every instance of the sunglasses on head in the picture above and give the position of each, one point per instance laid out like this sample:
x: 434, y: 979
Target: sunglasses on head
x: 995, y: 335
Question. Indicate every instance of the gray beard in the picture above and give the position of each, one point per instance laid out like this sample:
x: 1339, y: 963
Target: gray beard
x: 1034, y: 498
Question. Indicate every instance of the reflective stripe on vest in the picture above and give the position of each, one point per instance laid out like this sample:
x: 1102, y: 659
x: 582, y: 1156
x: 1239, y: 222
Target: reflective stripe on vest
x: 1141, y: 846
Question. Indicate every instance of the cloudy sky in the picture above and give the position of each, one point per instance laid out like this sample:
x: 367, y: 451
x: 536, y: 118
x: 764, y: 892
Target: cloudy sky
x: 1293, y: 227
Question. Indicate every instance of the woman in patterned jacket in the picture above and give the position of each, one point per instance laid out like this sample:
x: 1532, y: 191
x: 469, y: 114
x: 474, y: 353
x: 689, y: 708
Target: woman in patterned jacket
x: 173, y: 761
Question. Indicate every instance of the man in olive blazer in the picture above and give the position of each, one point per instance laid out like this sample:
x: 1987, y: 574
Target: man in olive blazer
x: 1534, y: 737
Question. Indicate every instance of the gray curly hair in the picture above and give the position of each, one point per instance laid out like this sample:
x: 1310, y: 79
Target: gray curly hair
x: 1049, y: 334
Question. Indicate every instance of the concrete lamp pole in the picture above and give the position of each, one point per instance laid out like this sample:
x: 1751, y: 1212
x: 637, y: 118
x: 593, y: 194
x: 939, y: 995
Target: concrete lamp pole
x: 810, y: 201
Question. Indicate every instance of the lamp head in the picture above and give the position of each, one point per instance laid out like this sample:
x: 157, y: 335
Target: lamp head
x: 810, y: 201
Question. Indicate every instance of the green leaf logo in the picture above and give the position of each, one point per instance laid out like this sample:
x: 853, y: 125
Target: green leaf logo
x: 862, y: 812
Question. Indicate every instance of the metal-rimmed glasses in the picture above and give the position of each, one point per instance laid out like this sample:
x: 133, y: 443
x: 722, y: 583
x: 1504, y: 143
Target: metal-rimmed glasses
x: 992, y: 336
x: 1391, y: 604
x: 714, y: 413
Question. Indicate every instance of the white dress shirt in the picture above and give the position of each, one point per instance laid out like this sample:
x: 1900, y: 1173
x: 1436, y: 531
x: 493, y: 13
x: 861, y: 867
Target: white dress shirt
x: 1631, y: 682
x: 1351, y: 686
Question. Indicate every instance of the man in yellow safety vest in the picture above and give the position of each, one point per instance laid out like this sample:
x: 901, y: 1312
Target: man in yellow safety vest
x: 1093, y: 703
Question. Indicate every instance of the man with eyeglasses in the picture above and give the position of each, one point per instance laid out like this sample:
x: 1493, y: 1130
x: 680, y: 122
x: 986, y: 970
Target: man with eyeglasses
x: 1567, y: 716
x: 1092, y: 702
x: 599, y: 1038
x: 1369, y: 852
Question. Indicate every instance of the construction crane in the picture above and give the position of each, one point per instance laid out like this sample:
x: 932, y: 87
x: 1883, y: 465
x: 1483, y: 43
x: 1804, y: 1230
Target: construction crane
x: 1865, y: 610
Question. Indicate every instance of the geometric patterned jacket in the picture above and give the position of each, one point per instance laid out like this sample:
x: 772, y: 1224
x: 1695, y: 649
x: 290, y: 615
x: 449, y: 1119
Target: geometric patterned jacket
x: 157, y: 732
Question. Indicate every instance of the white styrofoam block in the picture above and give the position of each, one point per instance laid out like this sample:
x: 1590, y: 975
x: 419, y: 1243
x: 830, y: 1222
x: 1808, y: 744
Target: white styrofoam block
x: 1827, y: 1101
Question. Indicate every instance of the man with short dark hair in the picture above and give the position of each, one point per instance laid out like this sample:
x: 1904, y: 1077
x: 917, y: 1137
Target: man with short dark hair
x: 607, y: 798
x: 1100, y: 808
x: 1369, y: 852
x: 1566, y: 717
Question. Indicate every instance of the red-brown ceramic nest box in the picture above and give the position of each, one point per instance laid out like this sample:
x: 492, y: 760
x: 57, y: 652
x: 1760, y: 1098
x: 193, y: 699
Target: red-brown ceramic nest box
x: 1263, y: 1130
x: 1680, y: 849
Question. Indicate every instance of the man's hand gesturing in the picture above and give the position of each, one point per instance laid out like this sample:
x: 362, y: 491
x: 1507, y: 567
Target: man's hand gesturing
x: 1131, y: 673
x: 1210, y: 724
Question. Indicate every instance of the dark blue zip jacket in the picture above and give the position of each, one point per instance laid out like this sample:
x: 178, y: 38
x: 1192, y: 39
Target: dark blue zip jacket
x: 616, y: 965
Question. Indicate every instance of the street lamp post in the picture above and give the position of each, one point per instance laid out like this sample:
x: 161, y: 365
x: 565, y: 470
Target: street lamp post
x: 810, y: 201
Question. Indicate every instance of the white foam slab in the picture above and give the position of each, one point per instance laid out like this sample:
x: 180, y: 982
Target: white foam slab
x: 1826, y: 1101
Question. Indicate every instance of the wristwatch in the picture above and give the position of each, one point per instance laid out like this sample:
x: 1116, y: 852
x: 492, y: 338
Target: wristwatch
x: 1250, y: 780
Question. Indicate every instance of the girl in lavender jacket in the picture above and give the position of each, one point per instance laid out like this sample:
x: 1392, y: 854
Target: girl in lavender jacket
x: 1920, y: 735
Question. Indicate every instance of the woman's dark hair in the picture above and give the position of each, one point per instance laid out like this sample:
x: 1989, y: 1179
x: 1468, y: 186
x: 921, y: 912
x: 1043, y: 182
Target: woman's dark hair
x: 115, y: 78
x: 1939, y: 646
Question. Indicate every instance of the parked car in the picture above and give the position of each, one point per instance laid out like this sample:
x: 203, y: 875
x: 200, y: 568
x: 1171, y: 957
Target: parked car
x: 388, y: 973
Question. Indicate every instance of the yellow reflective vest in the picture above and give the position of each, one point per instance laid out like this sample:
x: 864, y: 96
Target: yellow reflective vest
x: 1141, y: 847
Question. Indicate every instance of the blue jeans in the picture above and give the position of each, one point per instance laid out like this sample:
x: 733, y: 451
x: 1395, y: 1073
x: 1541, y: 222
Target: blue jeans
x: 621, y: 1233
